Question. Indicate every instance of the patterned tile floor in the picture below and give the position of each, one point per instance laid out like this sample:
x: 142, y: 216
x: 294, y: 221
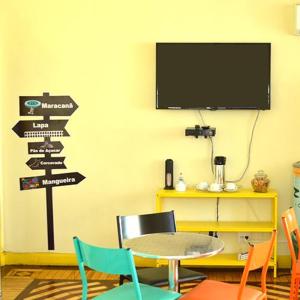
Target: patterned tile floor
x: 39, y: 283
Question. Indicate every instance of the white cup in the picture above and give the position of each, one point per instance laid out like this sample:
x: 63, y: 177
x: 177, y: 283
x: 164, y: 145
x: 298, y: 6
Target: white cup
x: 231, y: 186
x: 203, y: 186
x: 215, y: 187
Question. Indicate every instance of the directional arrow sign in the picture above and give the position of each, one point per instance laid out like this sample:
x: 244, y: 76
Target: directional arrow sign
x: 41, y: 128
x: 47, y: 105
x: 45, y: 147
x: 38, y: 182
x: 38, y: 163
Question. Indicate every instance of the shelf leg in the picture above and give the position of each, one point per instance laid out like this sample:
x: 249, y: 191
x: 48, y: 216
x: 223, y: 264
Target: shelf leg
x: 158, y: 204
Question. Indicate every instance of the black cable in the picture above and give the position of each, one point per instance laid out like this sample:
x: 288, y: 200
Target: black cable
x: 218, y: 203
x: 212, y: 145
x: 199, y: 111
x: 212, y: 156
x: 249, y: 150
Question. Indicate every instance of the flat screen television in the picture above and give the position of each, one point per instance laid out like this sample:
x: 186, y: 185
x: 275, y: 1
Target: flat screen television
x: 213, y: 76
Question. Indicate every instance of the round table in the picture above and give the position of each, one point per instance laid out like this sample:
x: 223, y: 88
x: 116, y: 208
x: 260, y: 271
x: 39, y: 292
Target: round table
x: 174, y: 246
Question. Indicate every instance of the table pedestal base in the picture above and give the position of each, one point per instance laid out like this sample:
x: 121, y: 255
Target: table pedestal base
x: 173, y: 275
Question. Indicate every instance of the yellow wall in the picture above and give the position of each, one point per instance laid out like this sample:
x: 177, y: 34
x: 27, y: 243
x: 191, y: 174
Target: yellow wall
x: 102, y: 53
x: 2, y: 74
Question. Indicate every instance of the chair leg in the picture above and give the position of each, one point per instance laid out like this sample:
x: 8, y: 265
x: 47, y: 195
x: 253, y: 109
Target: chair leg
x: 121, y: 280
x: 292, y: 285
x: 294, y: 288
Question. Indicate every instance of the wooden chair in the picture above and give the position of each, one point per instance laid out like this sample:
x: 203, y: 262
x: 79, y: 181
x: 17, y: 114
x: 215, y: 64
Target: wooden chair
x: 136, y: 225
x: 116, y: 261
x: 290, y: 226
x: 258, y: 257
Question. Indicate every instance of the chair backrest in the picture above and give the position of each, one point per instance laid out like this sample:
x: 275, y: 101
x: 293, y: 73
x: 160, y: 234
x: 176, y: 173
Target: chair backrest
x: 137, y: 225
x: 290, y: 227
x: 258, y: 257
x: 107, y: 260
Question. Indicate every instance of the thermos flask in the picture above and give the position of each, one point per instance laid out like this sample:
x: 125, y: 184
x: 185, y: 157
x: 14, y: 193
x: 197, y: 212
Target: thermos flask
x: 219, y: 169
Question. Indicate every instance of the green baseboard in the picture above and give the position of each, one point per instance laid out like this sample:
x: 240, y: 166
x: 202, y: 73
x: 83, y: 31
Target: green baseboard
x: 69, y: 259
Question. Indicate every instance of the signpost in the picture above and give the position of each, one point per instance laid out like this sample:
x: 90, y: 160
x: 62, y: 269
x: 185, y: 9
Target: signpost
x: 46, y: 106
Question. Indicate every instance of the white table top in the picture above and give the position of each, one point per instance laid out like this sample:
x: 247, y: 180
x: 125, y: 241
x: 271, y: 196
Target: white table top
x: 178, y: 245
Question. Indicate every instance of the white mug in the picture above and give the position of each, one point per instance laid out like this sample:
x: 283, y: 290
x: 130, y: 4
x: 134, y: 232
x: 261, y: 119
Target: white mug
x: 231, y: 186
x: 203, y: 186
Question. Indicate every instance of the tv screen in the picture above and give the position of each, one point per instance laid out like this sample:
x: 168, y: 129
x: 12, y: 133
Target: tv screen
x: 213, y: 76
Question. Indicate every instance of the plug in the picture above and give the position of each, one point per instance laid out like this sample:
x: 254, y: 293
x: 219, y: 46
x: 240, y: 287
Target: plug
x: 243, y: 236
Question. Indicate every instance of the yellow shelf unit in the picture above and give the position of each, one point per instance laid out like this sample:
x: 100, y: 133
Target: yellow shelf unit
x: 223, y: 226
x: 196, y: 226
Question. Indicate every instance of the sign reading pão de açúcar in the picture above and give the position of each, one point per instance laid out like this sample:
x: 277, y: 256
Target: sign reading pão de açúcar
x: 46, y: 147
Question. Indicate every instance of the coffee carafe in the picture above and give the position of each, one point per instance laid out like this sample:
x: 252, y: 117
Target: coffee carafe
x: 219, y: 169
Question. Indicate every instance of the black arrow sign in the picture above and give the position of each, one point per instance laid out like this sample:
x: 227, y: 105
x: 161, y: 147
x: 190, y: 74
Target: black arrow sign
x: 41, y: 128
x: 47, y: 105
x: 39, y: 163
x: 45, y: 147
x: 54, y: 180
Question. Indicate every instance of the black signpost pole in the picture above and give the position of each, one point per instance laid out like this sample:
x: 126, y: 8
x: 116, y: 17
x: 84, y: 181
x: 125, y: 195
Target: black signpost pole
x: 50, y: 226
x: 49, y: 200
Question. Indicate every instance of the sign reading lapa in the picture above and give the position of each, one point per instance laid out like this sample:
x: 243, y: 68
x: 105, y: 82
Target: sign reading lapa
x: 46, y: 106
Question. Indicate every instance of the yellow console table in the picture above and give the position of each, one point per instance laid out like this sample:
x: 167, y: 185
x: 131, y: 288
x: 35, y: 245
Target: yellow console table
x: 224, y: 226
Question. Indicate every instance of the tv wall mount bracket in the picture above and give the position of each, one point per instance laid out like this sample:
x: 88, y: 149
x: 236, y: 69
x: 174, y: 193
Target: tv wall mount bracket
x: 197, y: 131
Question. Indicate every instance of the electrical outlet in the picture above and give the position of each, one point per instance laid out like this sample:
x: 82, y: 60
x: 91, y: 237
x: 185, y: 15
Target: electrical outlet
x: 242, y: 236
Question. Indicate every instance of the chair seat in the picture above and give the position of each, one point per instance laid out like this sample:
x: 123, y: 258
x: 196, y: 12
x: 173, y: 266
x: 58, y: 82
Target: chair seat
x: 217, y: 290
x: 159, y: 276
x: 127, y: 292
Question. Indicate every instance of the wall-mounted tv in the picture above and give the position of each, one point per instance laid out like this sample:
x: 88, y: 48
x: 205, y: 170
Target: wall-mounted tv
x: 213, y: 76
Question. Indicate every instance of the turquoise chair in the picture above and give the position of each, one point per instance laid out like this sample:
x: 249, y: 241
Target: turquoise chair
x: 116, y: 261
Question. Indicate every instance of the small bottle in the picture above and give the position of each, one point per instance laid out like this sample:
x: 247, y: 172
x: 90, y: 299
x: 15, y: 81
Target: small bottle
x: 180, y: 186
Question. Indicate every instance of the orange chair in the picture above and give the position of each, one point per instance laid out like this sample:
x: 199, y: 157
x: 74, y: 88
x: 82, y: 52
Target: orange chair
x: 290, y: 226
x: 258, y: 257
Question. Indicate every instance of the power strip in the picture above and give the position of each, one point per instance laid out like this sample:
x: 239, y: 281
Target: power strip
x: 243, y: 256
